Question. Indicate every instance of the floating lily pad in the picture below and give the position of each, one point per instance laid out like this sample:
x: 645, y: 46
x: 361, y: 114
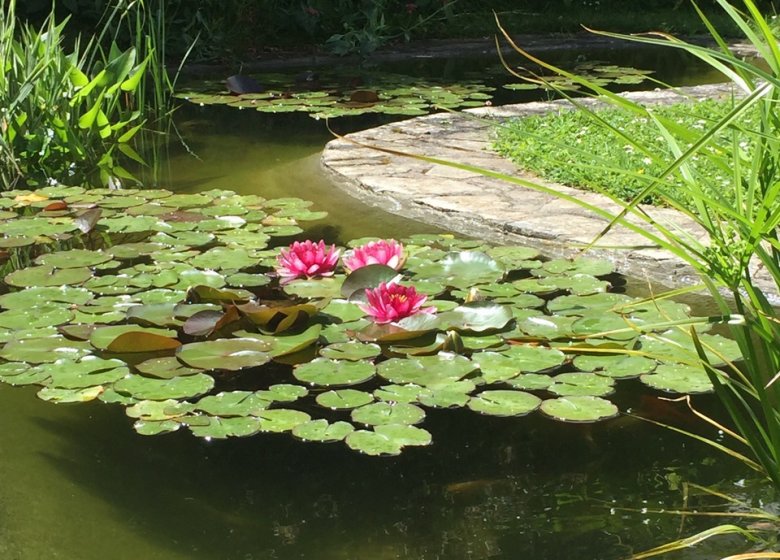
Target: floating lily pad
x: 399, y: 393
x: 44, y: 350
x: 530, y: 381
x: 424, y: 370
x: 344, y: 399
x: 581, y: 384
x: 476, y: 317
x: 221, y: 428
x: 281, y: 420
x: 54, y: 394
x: 327, y: 373
x: 504, y: 403
x: 145, y: 388
x: 678, y: 378
x: 579, y: 409
x: 320, y: 430
x: 387, y: 413
x: 616, y: 366
x: 462, y: 270
x: 75, y: 258
x: 35, y: 317
x: 37, y: 296
x: 347, y: 351
x: 46, y: 275
x: 233, y: 403
x: 229, y: 354
x: 87, y: 372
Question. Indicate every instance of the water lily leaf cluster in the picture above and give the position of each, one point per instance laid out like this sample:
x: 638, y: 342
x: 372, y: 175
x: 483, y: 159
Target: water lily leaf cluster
x: 597, y: 73
x: 349, y: 95
x: 170, y: 305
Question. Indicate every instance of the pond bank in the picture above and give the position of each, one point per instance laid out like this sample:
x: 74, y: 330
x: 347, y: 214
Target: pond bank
x: 472, y: 204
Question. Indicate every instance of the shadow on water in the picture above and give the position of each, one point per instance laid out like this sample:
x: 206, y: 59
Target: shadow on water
x: 487, y: 488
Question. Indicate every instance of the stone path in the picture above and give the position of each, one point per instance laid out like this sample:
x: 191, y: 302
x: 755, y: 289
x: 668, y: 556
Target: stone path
x: 492, y: 209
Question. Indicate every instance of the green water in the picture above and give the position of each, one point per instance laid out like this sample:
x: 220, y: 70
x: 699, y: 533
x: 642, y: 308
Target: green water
x: 76, y: 482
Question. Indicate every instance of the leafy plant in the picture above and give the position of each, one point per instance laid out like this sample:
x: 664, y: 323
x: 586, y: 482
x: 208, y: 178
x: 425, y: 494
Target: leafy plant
x: 183, y: 309
x: 741, y: 221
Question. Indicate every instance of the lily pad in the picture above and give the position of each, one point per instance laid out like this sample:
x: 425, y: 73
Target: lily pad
x: 145, y: 388
x: 233, y: 403
x: 229, y: 354
x: 678, y: 378
x: 46, y: 275
x: 327, y: 373
x: 347, y: 351
x: 387, y: 413
x: 344, y: 399
x: 504, y: 403
x: 424, y: 370
x: 320, y: 430
x: 579, y: 409
x: 581, y: 384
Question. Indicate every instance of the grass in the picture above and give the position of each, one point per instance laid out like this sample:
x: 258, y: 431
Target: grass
x: 573, y: 149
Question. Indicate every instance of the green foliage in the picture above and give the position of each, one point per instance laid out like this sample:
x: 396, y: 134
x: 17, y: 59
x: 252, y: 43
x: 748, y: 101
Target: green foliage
x: 153, y: 310
x: 70, y: 113
x: 573, y: 148
x: 741, y: 221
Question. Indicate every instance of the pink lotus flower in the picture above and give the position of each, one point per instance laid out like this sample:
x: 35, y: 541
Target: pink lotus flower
x: 391, y: 302
x: 389, y: 253
x: 307, y: 259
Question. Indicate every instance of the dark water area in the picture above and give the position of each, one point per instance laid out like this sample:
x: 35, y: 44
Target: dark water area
x: 76, y: 482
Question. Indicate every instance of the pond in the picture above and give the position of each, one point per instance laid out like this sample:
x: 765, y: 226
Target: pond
x: 78, y: 482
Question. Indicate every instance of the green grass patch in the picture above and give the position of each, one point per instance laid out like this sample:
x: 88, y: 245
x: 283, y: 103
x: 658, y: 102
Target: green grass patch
x: 574, y: 149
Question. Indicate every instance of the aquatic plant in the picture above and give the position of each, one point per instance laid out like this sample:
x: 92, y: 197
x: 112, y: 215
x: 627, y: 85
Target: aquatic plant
x: 387, y: 252
x: 307, y: 260
x: 390, y: 302
x: 170, y: 306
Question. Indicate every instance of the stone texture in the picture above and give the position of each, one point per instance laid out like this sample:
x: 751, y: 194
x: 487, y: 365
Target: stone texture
x: 470, y: 203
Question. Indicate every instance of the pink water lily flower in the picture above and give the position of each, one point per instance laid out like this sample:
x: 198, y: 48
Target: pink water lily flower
x: 307, y: 259
x: 387, y: 252
x: 390, y: 302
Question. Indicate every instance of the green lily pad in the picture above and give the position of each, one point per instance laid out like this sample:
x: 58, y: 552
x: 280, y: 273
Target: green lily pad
x: 279, y: 420
x: 618, y: 366
x: 154, y: 428
x: 229, y: 354
x: 398, y: 393
x: 87, y: 372
x: 326, y: 372
x: 221, y: 428
x: 462, y: 270
x: 425, y: 370
x: 37, y: 296
x: 404, y: 434
x: 320, y: 430
x: 315, y: 287
x: 284, y: 392
x: 47, y: 276
x: 476, y: 317
x: 504, y: 403
x: 579, y: 409
x: 677, y: 346
x: 678, y: 378
x: 347, y: 351
x: 530, y: 381
x: 145, y: 388
x: 35, y: 317
x: 58, y: 395
x: 581, y: 384
x: 154, y: 411
x: 44, y: 350
x: 233, y: 403
x: 386, y: 413
x: 344, y: 399
x: 372, y: 443
x: 75, y: 258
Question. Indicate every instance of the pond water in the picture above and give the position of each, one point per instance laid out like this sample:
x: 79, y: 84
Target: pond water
x: 77, y: 482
